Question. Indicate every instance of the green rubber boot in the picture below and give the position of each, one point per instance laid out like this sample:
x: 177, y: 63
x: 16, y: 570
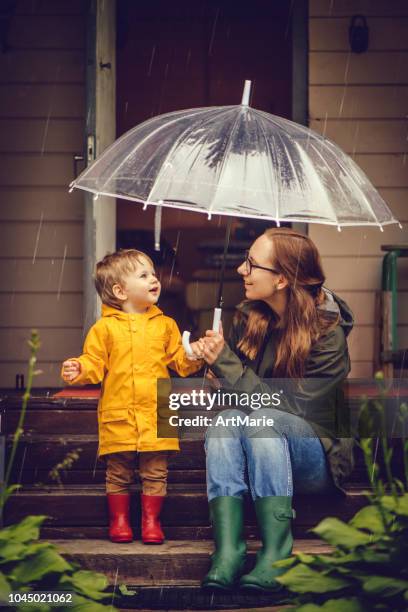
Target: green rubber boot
x: 274, y: 516
x: 227, y: 562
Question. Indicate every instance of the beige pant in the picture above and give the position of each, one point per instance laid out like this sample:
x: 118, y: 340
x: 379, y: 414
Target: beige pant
x: 120, y: 472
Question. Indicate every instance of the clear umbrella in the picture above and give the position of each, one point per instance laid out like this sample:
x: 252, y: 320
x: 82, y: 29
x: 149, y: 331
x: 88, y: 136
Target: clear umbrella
x: 238, y: 161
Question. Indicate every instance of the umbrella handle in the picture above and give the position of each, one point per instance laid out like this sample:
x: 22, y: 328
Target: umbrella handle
x: 186, y: 334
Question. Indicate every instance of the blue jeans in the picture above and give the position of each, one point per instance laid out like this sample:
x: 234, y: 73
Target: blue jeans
x: 272, y: 460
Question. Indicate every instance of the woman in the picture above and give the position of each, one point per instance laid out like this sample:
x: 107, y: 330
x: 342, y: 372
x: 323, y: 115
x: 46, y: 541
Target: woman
x: 289, y: 327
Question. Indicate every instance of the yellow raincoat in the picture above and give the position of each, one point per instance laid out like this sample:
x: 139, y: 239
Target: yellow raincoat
x: 128, y: 353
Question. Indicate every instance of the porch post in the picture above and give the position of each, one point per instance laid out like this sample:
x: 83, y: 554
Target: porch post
x: 100, y: 215
x: 300, y: 72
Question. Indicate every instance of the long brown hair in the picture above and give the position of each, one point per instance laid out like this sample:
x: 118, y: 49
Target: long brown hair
x: 297, y: 259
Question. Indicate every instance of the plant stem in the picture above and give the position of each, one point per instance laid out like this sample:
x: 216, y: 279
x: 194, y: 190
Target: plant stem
x: 34, y: 345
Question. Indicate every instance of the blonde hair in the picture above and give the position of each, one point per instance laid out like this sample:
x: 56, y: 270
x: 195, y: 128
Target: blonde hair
x: 111, y: 271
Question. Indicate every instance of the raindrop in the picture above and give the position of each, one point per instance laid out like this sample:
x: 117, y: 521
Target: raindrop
x: 62, y: 272
x: 37, y: 240
x: 188, y: 59
x: 149, y: 72
x: 213, y: 31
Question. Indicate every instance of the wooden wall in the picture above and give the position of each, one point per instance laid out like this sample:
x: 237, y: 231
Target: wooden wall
x: 42, y: 108
x: 360, y: 102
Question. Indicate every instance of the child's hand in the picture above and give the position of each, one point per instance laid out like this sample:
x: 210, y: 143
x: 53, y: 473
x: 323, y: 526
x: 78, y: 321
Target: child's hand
x: 198, y: 349
x: 70, y: 370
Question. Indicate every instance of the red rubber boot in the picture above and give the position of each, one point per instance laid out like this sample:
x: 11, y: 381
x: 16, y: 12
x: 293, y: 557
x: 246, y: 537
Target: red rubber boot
x: 119, y: 526
x: 151, y: 528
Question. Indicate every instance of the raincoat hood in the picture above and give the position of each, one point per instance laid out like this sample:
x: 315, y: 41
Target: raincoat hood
x: 109, y: 311
x: 333, y: 304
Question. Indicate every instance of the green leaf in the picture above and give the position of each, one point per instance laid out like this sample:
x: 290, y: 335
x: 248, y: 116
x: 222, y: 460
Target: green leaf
x: 288, y: 562
x: 337, y: 533
x: 335, y: 560
x: 303, y: 579
x: 87, y: 583
x: 47, y: 561
x: 368, y: 518
x: 399, y: 505
x: 385, y: 586
x: 125, y: 591
x: 5, y: 588
x: 25, y: 531
x: 11, y: 551
x: 81, y: 604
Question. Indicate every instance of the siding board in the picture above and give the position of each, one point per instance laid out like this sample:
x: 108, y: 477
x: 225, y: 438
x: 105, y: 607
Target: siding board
x: 56, y: 344
x: 41, y: 239
x: 34, y: 100
x: 339, y: 8
x: 360, y: 273
x: 358, y: 69
x: 41, y: 65
x: 52, y: 7
x: 47, y: 32
x: 36, y: 169
x: 355, y: 241
x: 41, y: 136
x: 384, y: 170
x: 40, y: 310
x: 31, y: 203
x: 358, y: 101
x: 44, y: 275
x: 355, y: 136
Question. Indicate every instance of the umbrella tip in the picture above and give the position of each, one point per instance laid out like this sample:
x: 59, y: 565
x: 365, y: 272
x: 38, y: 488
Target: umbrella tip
x: 400, y: 225
x: 338, y: 228
x: 96, y: 196
x: 246, y: 93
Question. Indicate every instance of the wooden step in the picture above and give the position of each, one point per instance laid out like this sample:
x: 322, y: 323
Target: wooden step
x: 78, y: 511
x: 38, y: 454
x: 174, y: 562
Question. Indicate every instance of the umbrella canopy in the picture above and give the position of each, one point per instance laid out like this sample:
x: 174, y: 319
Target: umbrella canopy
x: 238, y: 161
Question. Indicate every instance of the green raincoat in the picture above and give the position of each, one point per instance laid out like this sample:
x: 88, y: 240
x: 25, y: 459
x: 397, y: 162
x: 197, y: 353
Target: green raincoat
x: 326, y: 368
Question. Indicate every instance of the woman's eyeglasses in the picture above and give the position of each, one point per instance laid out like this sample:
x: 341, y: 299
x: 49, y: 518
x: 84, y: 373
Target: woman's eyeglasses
x: 250, y: 266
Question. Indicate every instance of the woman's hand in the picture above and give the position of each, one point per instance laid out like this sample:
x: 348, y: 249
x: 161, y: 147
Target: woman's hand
x: 70, y: 370
x: 213, y: 343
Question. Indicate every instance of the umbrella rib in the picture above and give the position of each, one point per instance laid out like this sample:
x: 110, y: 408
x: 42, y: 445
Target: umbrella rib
x: 268, y: 146
x: 366, y: 201
x: 227, y: 148
x: 149, y: 135
x: 334, y: 177
x: 181, y: 136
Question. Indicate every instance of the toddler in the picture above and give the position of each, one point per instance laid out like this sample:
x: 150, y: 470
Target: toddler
x: 127, y: 350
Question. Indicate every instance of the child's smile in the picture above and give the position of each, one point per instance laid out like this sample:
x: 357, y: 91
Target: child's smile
x: 142, y: 288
